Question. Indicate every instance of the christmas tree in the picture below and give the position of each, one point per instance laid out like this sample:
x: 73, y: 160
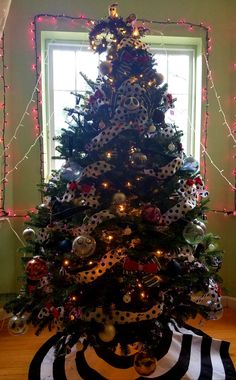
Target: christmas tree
x: 119, y: 247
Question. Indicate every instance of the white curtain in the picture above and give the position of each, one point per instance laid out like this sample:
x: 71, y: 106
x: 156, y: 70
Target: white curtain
x: 4, y: 9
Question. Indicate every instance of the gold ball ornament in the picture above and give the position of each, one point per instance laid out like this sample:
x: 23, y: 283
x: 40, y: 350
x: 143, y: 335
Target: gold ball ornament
x: 108, y: 333
x: 84, y: 246
x: 118, y: 198
x: 28, y: 234
x: 127, y: 298
x: 144, y: 364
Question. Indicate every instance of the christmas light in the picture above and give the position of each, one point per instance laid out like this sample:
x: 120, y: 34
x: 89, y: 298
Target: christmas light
x: 109, y: 155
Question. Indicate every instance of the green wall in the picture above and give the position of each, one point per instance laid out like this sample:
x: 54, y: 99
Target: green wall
x: 22, y: 190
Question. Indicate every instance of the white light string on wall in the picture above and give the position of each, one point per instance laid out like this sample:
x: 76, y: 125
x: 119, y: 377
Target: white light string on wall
x: 218, y: 100
x: 4, y: 219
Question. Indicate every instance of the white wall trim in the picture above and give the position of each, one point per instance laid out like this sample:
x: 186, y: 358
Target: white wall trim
x: 229, y: 302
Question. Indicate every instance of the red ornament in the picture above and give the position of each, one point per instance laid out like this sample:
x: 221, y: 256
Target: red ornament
x: 72, y: 186
x: 36, y: 268
x: 151, y: 214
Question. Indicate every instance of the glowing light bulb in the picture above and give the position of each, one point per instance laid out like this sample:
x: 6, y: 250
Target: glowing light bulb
x: 66, y: 263
x: 105, y: 185
x: 135, y: 32
x: 109, y: 154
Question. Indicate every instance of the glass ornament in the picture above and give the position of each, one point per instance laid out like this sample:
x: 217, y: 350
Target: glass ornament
x: 193, y: 233
x: 17, y: 325
x: 28, y: 234
x: 144, y: 364
x: 84, y: 246
x: 36, y: 268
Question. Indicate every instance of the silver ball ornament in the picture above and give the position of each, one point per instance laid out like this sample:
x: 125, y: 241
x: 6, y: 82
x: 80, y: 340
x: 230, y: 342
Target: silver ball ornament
x: 193, y: 233
x: 84, y: 246
x: 171, y: 147
x: 28, y: 234
x: 17, y: 325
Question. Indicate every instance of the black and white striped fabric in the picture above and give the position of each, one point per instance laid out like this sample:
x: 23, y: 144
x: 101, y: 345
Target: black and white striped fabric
x: 185, y: 353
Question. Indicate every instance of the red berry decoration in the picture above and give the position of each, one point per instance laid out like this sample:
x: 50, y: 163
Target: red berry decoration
x: 151, y: 214
x: 36, y: 268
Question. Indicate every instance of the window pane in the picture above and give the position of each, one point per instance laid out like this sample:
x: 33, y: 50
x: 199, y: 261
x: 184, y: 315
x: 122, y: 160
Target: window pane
x: 69, y: 60
x: 87, y: 63
x: 63, y: 70
x: 62, y: 99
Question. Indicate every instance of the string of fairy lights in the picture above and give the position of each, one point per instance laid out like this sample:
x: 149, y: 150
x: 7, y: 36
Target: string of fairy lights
x: 36, y: 100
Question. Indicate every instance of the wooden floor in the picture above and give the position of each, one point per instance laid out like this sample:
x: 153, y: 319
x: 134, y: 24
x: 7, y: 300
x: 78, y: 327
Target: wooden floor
x: 17, y: 352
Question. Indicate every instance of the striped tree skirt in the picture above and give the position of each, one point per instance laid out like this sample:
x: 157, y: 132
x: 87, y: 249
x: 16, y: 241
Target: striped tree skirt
x: 185, y: 353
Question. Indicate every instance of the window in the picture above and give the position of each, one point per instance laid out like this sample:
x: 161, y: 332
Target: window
x: 177, y: 59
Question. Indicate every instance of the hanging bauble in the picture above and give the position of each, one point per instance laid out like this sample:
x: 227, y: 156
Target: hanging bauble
x: 36, y: 268
x: 138, y: 160
x: 64, y: 246
x: 192, y: 233
x: 105, y: 67
x: 127, y: 298
x: 70, y: 171
x: 17, y: 325
x: 144, y: 364
x: 158, y: 116
x: 200, y: 223
x: 28, y: 234
x: 152, y: 128
x: 171, y: 147
x: 84, y: 246
x: 119, y: 198
x: 211, y: 247
x: 159, y: 78
x: 190, y: 165
x: 151, y: 214
x: 108, y: 333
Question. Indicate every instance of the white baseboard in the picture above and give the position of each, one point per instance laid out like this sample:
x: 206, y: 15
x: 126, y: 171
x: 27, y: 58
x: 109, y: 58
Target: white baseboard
x: 229, y: 302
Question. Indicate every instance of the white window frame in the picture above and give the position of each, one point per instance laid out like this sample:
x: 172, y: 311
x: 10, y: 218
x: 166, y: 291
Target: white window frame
x: 162, y: 43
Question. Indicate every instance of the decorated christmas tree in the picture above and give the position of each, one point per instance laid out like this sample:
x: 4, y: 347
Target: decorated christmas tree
x: 119, y: 248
